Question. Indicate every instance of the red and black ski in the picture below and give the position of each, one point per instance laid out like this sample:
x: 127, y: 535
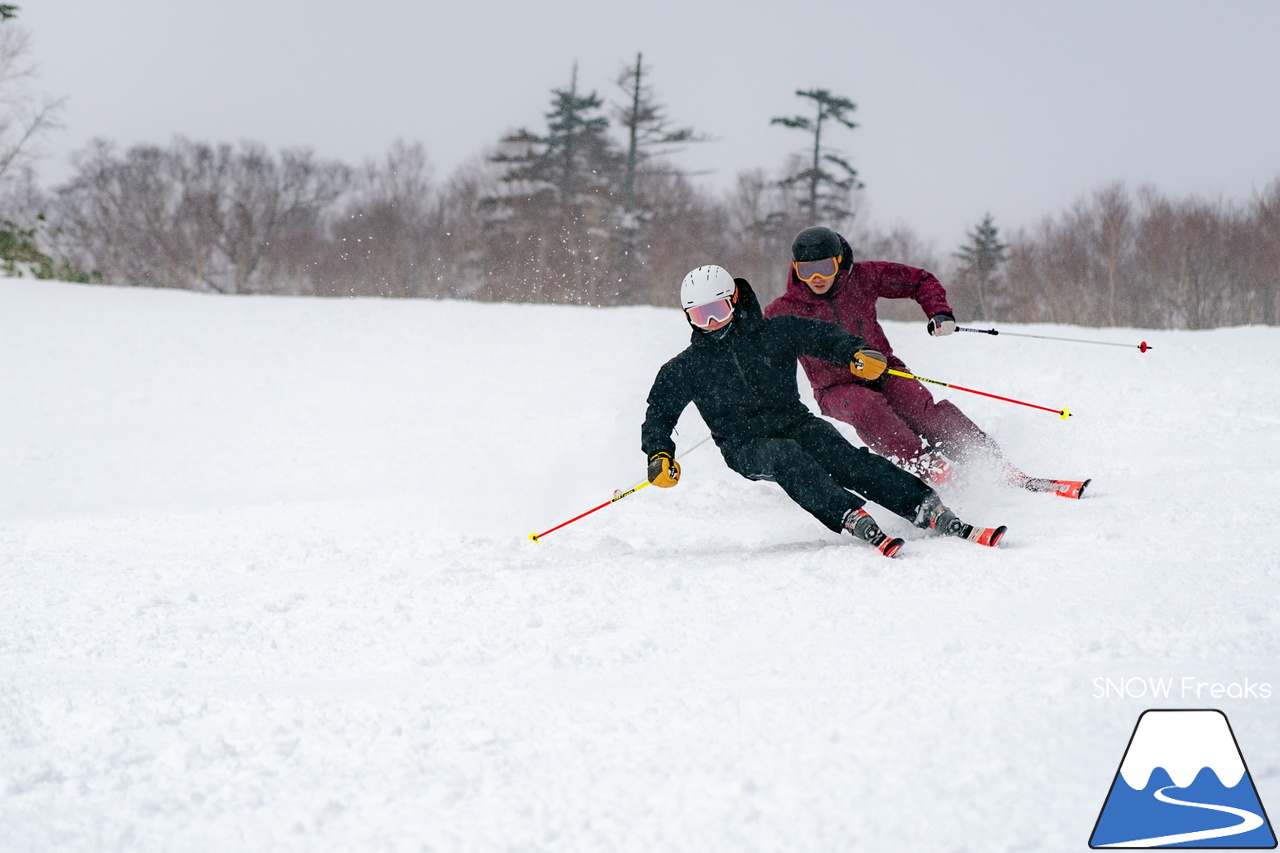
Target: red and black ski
x: 888, y: 546
x: 989, y: 536
x: 1073, y: 489
x: 1064, y: 488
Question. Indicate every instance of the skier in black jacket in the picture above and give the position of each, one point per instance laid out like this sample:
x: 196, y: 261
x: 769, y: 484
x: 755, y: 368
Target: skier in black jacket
x: 740, y: 371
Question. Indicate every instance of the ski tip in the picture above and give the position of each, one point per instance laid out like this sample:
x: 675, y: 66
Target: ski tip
x: 891, y: 547
x: 1073, y: 489
x: 989, y: 536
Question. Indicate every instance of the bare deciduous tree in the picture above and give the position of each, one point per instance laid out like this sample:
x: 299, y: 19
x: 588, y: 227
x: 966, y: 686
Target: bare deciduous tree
x: 199, y: 216
x: 24, y: 114
x: 765, y: 214
x: 1147, y: 260
x: 384, y: 236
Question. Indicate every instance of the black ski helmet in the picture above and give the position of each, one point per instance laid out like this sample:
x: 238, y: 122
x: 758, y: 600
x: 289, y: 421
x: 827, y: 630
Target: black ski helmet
x: 816, y: 243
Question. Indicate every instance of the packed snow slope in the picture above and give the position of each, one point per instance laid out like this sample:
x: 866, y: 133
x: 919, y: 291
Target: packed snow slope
x: 265, y: 584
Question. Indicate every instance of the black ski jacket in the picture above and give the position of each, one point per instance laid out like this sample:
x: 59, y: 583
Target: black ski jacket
x: 744, y: 384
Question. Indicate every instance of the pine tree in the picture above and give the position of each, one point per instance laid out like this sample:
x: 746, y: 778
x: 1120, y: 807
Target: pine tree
x: 557, y: 200
x: 828, y: 178
x: 980, y: 261
x: 649, y: 135
x: 575, y: 159
x: 649, y: 131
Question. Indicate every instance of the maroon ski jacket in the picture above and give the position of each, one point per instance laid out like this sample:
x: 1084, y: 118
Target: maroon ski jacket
x: 851, y: 303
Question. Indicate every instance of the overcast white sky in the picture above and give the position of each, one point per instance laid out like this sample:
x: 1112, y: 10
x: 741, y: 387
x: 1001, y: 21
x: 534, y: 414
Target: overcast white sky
x: 1017, y: 108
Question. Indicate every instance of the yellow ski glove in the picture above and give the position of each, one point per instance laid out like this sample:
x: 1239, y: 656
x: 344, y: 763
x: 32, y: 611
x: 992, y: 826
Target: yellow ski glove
x: 664, y: 471
x: 868, y: 364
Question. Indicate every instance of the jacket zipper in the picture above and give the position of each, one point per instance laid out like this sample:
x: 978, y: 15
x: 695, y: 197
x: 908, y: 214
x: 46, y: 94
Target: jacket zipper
x: 836, y: 314
x: 733, y: 353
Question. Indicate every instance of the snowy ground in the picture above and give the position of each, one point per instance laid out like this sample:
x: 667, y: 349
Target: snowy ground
x: 265, y: 585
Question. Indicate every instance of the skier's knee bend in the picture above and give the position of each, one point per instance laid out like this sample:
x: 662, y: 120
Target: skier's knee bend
x: 764, y: 458
x: 780, y: 453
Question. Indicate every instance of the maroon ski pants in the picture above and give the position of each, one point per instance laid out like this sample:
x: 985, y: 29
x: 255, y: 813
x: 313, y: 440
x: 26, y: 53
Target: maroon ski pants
x: 893, y: 414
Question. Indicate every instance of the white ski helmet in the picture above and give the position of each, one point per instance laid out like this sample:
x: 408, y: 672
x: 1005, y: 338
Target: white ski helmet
x: 704, y: 285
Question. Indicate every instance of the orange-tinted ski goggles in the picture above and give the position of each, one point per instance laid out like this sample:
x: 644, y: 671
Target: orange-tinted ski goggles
x: 807, y: 271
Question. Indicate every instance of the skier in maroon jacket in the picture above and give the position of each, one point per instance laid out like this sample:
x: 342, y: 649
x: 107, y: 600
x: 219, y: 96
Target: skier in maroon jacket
x: 894, y: 416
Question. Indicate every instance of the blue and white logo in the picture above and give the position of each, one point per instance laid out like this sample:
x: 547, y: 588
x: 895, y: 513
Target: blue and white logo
x: 1183, y: 783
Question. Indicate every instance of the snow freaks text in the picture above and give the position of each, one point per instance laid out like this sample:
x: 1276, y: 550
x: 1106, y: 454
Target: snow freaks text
x: 1185, y: 687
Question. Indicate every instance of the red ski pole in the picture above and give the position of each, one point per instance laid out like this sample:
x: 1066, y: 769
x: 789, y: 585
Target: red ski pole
x: 1063, y: 412
x: 617, y: 496
x: 1142, y: 347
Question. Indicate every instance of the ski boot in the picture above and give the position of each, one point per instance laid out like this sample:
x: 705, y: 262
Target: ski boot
x: 938, y: 518
x: 862, y: 526
x: 1073, y: 489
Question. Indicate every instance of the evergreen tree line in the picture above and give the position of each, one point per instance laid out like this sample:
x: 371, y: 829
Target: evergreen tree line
x: 588, y: 210
x: 592, y: 209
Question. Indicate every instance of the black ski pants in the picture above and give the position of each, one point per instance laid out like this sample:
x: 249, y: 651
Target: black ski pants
x: 818, y: 468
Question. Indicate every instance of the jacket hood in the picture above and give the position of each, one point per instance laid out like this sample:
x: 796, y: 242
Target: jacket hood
x: 846, y: 254
x: 748, y: 305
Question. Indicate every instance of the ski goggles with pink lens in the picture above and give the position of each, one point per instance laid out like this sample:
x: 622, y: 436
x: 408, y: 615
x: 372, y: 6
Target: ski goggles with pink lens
x: 703, y: 316
x: 809, y: 270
